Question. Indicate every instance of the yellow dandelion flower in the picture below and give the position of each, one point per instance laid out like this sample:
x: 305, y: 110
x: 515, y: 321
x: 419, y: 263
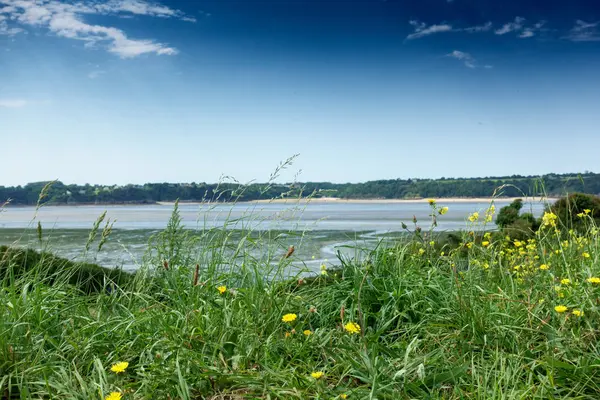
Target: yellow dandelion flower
x: 343, y: 396
x: 119, y: 367
x: 560, y: 309
x: 581, y: 215
x: 594, y: 279
x: 307, y: 332
x: 518, y: 243
x: 485, y: 243
x: 443, y: 210
x: 474, y: 217
x: 577, y: 313
x: 586, y: 255
x: 352, y: 328
x: 549, y: 219
x: 317, y: 374
x: 113, y: 396
x: 289, y: 318
x: 565, y: 281
x: 587, y: 211
x: 222, y: 289
x: 431, y: 202
x: 544, y: 267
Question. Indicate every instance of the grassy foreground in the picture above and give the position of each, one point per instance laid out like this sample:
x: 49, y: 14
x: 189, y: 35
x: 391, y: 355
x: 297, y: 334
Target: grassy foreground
x: 495, y: 318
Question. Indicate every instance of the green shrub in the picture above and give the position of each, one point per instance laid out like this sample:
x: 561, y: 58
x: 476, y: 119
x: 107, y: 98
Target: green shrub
x: 16, y: 263
x: 574, y: 210
x: 509, y: 214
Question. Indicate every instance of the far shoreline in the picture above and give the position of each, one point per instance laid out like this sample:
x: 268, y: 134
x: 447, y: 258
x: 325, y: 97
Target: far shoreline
x: 305, y: 200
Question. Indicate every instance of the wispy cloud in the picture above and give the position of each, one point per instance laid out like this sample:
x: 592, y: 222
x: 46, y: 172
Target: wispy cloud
x: 5, y: 29
x: 67, y: 20
x: 422, y: 30
x: 479, y: 28
x: 584, y: 32
x: 12, y: 103
x: 96, y: 74
x: 519, y: 26
x: 467, y: 59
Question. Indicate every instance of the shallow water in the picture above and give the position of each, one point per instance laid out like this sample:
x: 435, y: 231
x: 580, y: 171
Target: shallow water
x: 317, y: 230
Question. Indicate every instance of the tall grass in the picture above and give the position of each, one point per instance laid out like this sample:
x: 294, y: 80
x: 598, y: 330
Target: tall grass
x: 203, y: 319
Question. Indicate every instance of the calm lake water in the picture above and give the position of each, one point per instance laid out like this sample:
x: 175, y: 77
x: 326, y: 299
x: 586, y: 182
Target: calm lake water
x: 325, y: 227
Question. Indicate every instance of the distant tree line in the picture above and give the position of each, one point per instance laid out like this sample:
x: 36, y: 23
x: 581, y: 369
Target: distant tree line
x: 513, y: 186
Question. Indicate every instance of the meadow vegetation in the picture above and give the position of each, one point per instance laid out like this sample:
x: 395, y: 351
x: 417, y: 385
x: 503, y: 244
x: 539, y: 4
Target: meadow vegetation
x: 490, y: 316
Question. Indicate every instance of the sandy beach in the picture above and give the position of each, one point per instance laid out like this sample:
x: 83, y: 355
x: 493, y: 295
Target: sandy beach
x: 408, y: 201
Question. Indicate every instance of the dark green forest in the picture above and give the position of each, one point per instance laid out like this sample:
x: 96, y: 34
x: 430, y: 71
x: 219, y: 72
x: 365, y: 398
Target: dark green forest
x: 513, y: 186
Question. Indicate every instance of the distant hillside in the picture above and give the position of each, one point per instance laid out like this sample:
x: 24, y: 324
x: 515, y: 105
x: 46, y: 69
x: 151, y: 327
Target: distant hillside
x: 60, y: 193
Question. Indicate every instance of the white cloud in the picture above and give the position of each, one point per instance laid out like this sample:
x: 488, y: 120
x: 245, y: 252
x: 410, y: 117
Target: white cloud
x: 479, y: 28
x: 517, y: 25
x: 468, y: 60
x: 526, y: 33
x: 12, y: 103
x: 421, y: 29
x: 584, y: 32
x: 96, y: 73
x: 66, y: 20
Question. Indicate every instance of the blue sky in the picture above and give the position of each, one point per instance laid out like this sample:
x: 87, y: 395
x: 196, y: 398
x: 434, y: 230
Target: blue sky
x: 129, y: 91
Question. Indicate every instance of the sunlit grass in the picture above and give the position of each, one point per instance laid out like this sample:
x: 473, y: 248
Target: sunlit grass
x: 209, y: 316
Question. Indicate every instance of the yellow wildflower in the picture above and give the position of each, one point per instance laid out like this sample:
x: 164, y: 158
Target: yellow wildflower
x: 560, y: 309
x: 432, y: 243
x: 544, y: 267
x: 587, y: 211
x: 518, y: 243
x: 343, y: 396
x: 581, y: 215
x: 586, y: 255
x: 485, y: 243
x: 443, y: 210
x: 289, y: 318
x: 594, y: 279
x: 474, y: 217
x: 113, y: 396
x: 287, y: 335
x: 352, y: 328
x: 421, y: 251
x: 549, y: 219
x: 578, y: 313
x: 222, y: 289
x: 307, y: 332
x: 317, y: 374
x: 119, y: 367
x: 565, y: 281
x: 469, y: 245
